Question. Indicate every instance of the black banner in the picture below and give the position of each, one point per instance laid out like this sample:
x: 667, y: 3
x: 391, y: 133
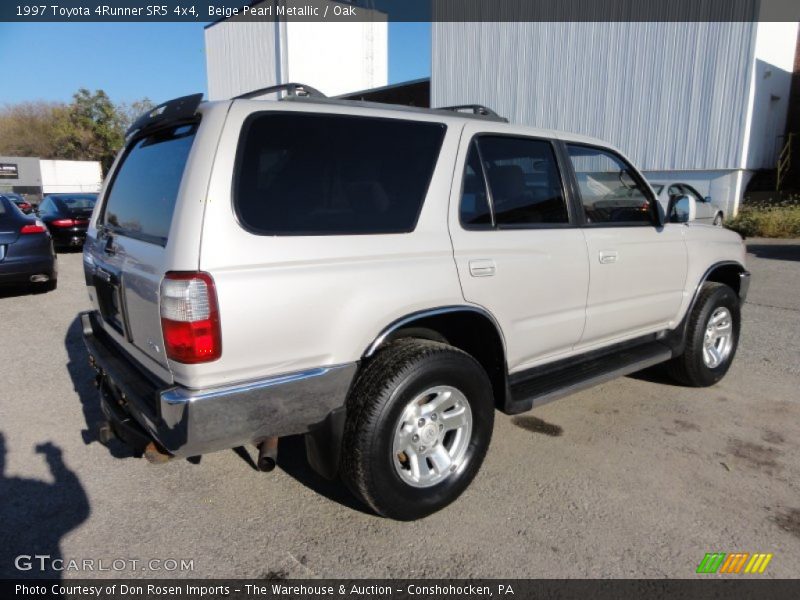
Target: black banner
x: 403, y: 589
x: 398, y: 10
x: 9, y: 171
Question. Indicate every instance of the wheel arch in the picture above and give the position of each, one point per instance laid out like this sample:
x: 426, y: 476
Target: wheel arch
x: 729, y: 273
x: 469, y: 328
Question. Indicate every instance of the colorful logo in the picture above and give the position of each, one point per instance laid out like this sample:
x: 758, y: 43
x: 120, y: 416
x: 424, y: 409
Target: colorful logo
x: 719, y: 562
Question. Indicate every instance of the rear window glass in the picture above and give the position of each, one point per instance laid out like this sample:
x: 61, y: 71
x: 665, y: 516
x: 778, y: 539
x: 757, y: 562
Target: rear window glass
x: 144, y: 189
x: 301, y: 174
x: 77, y: 202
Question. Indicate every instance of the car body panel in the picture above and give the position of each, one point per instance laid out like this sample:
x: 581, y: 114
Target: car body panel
x: 23, y: 255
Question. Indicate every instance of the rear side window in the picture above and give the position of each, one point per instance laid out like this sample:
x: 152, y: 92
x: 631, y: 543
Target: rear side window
x: 524, y: 183
x: 144, y: 189
x: 314, y: 174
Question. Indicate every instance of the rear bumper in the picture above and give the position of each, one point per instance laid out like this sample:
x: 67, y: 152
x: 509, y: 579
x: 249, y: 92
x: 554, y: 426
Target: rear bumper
x: 189, y: 422
x: 20, y: 271
x: 68, y: 237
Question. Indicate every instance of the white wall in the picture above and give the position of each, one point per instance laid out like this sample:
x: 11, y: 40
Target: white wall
x: 670, y: 95
x: 240, y: 57
x: 769, y: 96
x: 70, y: 176
x: 337, y: 58
x: 333, y: 57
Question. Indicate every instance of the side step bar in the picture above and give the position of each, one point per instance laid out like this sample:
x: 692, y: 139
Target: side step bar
x: 533, y: 390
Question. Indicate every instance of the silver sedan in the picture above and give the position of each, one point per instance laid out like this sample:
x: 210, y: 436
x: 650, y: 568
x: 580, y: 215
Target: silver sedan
x: 707, y: 210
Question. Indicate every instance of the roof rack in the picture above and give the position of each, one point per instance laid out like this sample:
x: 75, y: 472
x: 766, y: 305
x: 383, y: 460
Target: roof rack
x: 475, y: 109
x: 291, y: 89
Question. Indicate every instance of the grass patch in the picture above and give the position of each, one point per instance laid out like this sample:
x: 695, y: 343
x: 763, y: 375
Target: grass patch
x: 778, y: 220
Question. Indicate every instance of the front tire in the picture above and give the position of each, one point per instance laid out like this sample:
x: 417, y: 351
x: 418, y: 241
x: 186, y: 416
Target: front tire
x: 419, y: 423
x: 712, y: 336
x: 718, y: 220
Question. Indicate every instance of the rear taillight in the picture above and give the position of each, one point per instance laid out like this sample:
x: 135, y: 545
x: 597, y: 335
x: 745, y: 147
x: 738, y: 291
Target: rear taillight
x: 37, y: 227
x: 63, y: 223
x: 190, y: 318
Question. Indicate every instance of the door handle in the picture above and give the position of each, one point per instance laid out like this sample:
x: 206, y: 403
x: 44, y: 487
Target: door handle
x: 607, y: 257
x: 481, y: 268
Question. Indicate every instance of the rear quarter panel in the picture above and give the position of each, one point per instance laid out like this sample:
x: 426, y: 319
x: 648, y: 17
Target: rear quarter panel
x: 291, y: 303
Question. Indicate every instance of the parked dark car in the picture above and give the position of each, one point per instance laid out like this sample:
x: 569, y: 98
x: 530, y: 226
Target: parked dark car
x: 67, y: 217
x: 26, y: 249
x: 23, y: 204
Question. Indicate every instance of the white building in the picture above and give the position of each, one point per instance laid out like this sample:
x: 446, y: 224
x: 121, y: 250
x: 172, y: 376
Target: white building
x: 698, y: 102
x: 335, y: 58
x: 60, y: 176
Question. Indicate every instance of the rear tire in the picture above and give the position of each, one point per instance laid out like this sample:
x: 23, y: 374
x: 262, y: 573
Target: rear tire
x: 712, y: 336
x: 419, y: 422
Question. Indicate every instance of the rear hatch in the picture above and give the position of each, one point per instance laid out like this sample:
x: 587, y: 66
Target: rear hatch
x: 79, y: 208
x: 133, y: 240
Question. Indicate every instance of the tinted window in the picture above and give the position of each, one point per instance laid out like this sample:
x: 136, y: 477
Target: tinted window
x: 610, y: 190
x: 145, y: 186
x: 524, y: 181
x: 82, y: 202
x: 46, y: 206
x: 690, y: 191
x: 474, y: 211
x: 302, y: 174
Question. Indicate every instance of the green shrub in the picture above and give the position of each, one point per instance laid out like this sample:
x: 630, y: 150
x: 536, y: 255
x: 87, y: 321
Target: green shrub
x: 767, y: 221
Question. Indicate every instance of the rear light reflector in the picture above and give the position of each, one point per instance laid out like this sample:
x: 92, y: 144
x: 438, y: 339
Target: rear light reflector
x: 37, y: 227
x: 190, y: 317
x: 63, y: 223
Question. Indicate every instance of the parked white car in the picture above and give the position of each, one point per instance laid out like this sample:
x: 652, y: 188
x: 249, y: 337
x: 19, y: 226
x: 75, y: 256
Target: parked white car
x: 382, y: 279
x: 706, y: 210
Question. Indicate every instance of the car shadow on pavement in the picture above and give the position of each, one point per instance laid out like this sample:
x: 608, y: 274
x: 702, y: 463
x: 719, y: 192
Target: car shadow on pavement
x: 13, y: 291
x: 293, y: 461
x: 83, y: 378
x: 775, y: 251
x: 655, y: 374
x: 37, y: 515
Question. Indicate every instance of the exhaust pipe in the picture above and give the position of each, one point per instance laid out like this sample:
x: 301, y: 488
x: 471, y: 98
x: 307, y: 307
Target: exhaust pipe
x: 105, y: 433
x: 39, y: 278
x: 268, y: 454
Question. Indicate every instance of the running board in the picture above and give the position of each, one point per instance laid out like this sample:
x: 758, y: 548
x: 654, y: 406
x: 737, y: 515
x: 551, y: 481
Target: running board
x: 533, y: 389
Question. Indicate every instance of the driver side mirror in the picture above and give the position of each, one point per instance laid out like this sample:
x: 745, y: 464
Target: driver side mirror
x: 684, y: 209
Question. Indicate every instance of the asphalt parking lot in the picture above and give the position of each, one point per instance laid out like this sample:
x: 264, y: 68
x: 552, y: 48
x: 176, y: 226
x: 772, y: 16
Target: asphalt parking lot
x: 635, y: 478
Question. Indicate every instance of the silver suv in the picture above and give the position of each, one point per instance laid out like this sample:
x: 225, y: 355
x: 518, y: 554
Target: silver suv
x: 382, y: 279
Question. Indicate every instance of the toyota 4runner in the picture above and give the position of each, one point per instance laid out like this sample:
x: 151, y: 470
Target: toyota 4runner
x: 381, y: 279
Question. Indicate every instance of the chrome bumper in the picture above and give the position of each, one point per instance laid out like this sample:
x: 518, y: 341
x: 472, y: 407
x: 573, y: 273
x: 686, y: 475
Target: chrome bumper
x: 189, y: 422
x: 744, y: 285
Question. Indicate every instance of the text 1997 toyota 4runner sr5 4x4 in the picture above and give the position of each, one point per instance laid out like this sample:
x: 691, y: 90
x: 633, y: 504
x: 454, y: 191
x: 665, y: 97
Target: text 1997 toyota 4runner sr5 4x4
x: 382, y: 279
